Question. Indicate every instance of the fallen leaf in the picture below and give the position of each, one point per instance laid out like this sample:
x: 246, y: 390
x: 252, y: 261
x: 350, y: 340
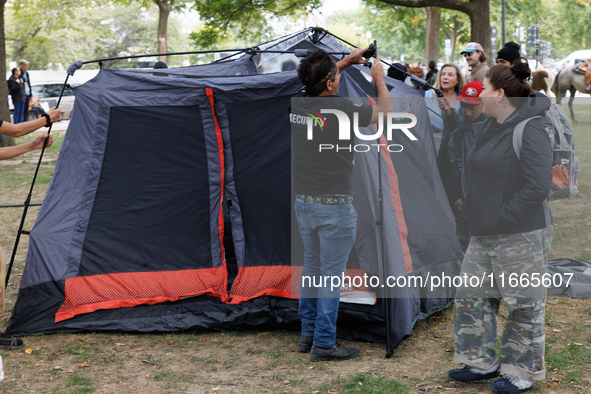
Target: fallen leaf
x: 86, y: 337
x: 311, y: 367
x: 84, y: 365
x: 264, y: 333
x: 556, y: 330
x: 29, y: 350
x: 215, y: 388
x: 57, y: 367
x: 120, y: 344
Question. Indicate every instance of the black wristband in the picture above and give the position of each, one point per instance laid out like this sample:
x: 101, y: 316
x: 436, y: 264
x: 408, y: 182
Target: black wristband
x: 48, y: 120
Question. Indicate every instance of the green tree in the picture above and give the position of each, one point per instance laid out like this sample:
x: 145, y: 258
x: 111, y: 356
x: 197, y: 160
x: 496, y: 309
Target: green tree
x: 99, y: 30
x: 165, y: 7
x: 245, y: 18
x: 477, y: 10
x: 575, y: 27
x: 400, y: 31
x: 32, y: 20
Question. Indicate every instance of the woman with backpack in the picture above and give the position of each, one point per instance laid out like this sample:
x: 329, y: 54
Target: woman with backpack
x: 504, y: 209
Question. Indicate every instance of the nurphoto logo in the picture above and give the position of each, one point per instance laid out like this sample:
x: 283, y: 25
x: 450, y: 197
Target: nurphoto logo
x: 394, y: 121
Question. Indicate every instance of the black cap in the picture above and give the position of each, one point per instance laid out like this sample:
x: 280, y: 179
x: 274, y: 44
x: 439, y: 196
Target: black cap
x: 160, y: 64
x: 397, y: 71
x: 509, y: 52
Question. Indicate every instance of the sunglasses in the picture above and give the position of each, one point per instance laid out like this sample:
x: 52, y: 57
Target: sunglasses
x: 469, y: 54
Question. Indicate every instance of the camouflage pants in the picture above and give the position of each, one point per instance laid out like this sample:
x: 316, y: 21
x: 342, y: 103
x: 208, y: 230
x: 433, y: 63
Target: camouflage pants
x: 495, y: 258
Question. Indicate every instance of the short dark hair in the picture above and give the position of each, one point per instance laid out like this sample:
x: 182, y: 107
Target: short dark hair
x: 313, y: 69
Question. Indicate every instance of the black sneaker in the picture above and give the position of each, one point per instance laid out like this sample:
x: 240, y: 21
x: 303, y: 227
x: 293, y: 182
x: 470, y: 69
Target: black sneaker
x: 334, y: 353
x: 465, y: 375
x: 305, y: 344
x: 504, y: 385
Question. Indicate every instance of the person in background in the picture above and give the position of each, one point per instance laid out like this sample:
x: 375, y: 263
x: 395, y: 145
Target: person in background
x: 476, y: 58
x: 159, y: 65
x: 16, y: 88
x: 460, y: 133
x: 506, y: 210
x: 431, y: 77
x: 450, y: 81
x: 508, y: 53
x: 35, y: 107
x: 24, y: 66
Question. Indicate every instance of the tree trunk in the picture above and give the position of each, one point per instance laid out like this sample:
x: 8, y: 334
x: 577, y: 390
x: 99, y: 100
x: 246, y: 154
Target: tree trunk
x: 480, y: 25
x: 432, y: 34
x: 477, y: 10
x: 164, y: 7
x: 4, y: 110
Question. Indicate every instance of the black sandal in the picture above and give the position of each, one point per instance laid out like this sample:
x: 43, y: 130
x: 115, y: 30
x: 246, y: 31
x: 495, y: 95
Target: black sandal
x: 11, y: 343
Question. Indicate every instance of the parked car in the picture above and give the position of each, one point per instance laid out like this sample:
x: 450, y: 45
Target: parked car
x: 569, y: 61
x: 49, y: 93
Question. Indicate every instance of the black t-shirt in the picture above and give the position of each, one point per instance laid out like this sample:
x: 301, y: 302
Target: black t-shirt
x: 328, y: 170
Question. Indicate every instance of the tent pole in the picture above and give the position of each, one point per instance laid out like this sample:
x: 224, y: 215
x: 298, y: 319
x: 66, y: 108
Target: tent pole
x: 389, y: 351
x: 29, y: 196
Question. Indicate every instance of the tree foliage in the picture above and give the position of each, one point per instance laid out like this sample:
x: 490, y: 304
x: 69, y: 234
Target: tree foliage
x: 245, y: 18
x: 95, y: 30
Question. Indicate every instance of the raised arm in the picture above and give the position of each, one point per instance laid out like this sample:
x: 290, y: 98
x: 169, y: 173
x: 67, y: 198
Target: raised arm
x: 384, y: 102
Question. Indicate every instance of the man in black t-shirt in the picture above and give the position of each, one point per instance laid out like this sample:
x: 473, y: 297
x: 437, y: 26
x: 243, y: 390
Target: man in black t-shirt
x: 322, y: 181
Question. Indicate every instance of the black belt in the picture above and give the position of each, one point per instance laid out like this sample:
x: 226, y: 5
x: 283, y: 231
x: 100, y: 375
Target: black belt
x: 325, y: 199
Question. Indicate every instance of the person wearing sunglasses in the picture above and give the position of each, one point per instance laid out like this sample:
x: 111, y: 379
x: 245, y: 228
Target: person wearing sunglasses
x: 476, y: 59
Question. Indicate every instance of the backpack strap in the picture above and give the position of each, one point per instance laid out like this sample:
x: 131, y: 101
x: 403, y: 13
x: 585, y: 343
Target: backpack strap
x: 517, y: 143
x: 518, y: 135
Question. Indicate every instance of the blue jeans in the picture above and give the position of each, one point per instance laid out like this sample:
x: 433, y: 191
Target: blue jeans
x: 17, y: 116
x: 328, y: 232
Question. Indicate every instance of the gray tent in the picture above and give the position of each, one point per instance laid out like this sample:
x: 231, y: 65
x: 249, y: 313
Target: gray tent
x: 170, y: 207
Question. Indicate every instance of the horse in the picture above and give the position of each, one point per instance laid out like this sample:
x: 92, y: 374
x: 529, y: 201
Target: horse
x: 542, y: 80
x: 568, y: 80
x: 539, y: 81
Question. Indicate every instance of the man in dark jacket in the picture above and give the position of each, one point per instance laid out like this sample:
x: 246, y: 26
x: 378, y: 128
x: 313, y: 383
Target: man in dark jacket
x: 24, y: 66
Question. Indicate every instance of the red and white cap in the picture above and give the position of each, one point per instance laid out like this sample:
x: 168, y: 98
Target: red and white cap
x: 471, y: 93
